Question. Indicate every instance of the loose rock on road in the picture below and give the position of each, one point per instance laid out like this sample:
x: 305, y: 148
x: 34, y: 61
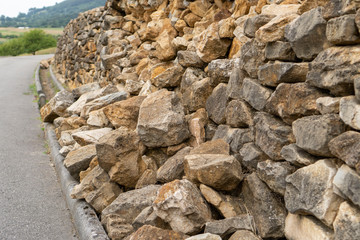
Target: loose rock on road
x: 31, y: 202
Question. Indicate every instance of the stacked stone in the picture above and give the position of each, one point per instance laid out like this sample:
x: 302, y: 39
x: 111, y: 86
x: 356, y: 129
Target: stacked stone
x: 216, y: 120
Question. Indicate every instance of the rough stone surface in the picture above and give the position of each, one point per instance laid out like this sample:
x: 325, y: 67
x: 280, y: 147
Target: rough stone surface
x: 252, y: 57
x: 251, y: 155
x: 350, y: 111
x: 91, y: 136
x: 90, y: 87
x: 216, y: 104
x: 255, y: 94
x: 98, y: 119
x: 180, y: 204
x: 297, y: 156
x: 347, y: 184
x: 279, y: 51
x: 148, y: 232
x: 313, y: 133
x: 228, y: 226
x: 235, y: 83
x: 239, y: 114
x: 252, y: 24
x: 342, y: 30
x: 327, y: 105
x: 218, y: 146
x: 161, y: 120
x: 189, y: 59
x: 56, y: 106
x: 219, y: 71
x: 219, y: 171
x: 347, y: 222
x: 166, y: 74
x: 79, y: 160
x: 316, y: 178
x: 244, y: 235
x: 205, y: 236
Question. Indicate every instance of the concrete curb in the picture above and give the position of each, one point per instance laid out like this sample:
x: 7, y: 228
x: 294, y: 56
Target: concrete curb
x: 57, y: 83
x: 40, y: 92
x: 86, y: 222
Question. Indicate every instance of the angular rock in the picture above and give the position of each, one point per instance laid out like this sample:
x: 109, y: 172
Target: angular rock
x: 271, y: 135
x: 255, y: 94
x: 222, y: 172
x: 297, y: 156
x: 98, y: 119
x: 335, y: 69
x: 282, y: 9
x: 235, y: 137
x: 57, y: 106
x: 91, y: 136
x: 307, y: 5
x: 85, y: 89
x: 166, y: 74
x: 346, y: 146
x: 239, y: 114
x: 180, y: 204
x: 357, y: 88
x: 244, y: 235
x: 316, y: 178
x: 274, y: 174
x: 216, y: 104
x: 116, y: 227
x: 342, y: 30
x: 252, y: 24
x: 307, y: 34
x: 197, y: 123
x: 148, y: 232
x: 173, y: 168
x: 272, y: 74
x: 268, y: 212
x: 327, y: 105
x: 148, y: 217
x: 195, y: 93
x: 251, y: 155
x: 228, y: 226
x: 227, y: 205
x: 293, y: 101
x: 79, y: 160
x: 299, y: 227
x: 205, y: 236
x: 347, y: 222
x: 161, y: 120
x: 219, y: 71
x: 189, y: 59
x: 252, y: 57
x: 279, y: 51
x: 147, y: 178
x: 347, y: 184
x: 218, y: 146
x: 313, y: 133
x: 350, y: 111
x: 235, y: 83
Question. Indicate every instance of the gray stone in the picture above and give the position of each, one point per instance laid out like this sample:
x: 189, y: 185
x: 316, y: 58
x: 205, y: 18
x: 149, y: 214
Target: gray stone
x: 279, y: 51
x: 357, y: 88
x: 307, y: 34
x: 189, y: 59
x: 148, y: 217
x: 252, y: 57
x: 235, y: 137
x: 216, y: 104
x: 222, y: 172
x: 313, y: 133
x: 274, y: 174
x: 219, y: 70
x: 239, y: 114
x: 342, y: 30
x: 251, y: 155
x: 271, y: 134
x: 57, y: 106
x: 255, y: 94
x: 226, y: 227
x: 235, y: 83
x: 218, y: 146
x: 310, y: 191
x: 194, y: 96
x: 85, y: 88
x: 244, y: 235
x: 347, y: 183
x: 180, y: 204
x: 166, y: 74
x: 331, y: 70
x: 327, y: 105
x: 252, y: 24
x: 161, y: 120
x: 272, y: 74
x: 268, y: 212
x: 91, y: 136
x: 350, y: 111
x: 347, y: 223
x: 297, y: 156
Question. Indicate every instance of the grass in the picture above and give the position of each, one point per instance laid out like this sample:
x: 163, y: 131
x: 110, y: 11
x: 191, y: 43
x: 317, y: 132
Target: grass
x: 16, y: 31
x: 42, y: 52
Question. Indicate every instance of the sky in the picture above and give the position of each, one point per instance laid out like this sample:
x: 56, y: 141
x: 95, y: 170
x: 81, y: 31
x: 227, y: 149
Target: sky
x: 11, y: 8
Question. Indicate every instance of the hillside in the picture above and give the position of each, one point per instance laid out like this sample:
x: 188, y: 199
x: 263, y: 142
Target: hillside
x: 54, y: 16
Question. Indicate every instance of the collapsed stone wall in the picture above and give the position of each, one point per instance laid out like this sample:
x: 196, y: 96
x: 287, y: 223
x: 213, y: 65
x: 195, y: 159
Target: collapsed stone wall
x: 239, y: 118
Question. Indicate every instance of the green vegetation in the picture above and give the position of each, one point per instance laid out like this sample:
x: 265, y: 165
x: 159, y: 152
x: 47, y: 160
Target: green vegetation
x: 29, y: 42
x: 51, y: 17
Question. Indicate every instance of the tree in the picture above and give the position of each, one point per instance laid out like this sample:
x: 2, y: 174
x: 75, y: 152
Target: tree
x: 37, y: 39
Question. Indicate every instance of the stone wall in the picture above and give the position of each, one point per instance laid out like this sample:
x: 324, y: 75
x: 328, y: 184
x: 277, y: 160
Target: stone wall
x: 214, y: 119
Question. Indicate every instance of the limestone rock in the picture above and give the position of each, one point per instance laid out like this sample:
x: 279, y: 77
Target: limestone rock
x: 271, y: 135
x: 298, y: 227
x: 216, y: 104
x: 219, y: 71
x: 313, y: 133
x: 197, y: 123
x: 331, y: 70
x: 235, y: 83
x: 342, y: 30
x: 195, y: 93
x: 347, y: 222
x: 79, y: 160
x: 166, y: 74
x: 327, y: 105
x: 148, y: 217
x: 205, y: 236
x: 228, y: 226
x: 282, y: 9
x: 255, y: 94
x: 272, y: 74
x: 56, y: 106
x: 148, y: 232
x: 98, y: 119
x: 252, y: 57
x: 173, y: 168
x: 274, y: 174
x: 239, y: 114
x: 91, y: 136
x: 307, y: 5
x: 181, y: 205
x: 235, y: 137
x: 161, y: 120
x: 347, y: 184
x: 357, y: 88
x: 268, y: 212
x: 293, y: 101
x: 226, y: 204
x: 279, y: 51
x: 244, y: 235
x: 316, y: 178
x: 307, y: 34
x: 350, y: 111
x: 251, y: 155
x: 219, y: 171
x: 297, y: 156
x: 116, y: 227
x: 252, y: 24
x: 189, y: 59
x: 90, y: 87
x: 218, y: 146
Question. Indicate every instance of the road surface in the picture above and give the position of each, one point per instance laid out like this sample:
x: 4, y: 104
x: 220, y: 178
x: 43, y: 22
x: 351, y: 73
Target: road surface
x: 31, y: 202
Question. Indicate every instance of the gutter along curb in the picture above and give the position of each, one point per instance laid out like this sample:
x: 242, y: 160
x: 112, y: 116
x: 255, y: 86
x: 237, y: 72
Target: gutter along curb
x: 86, y: 222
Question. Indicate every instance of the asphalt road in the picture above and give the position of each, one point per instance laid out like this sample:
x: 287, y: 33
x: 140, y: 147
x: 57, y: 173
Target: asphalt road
x: 31, y: 202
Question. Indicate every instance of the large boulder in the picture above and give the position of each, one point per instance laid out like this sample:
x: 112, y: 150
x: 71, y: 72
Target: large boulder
x: 161, y: 120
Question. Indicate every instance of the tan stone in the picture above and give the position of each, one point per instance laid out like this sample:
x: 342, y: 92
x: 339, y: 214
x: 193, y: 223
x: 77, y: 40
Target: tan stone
x: 199, y: 7
x: 57, y: 106
x: 310, y: 4
x: 165, y: 50
x: 241, y: 8
x: 79, y: 160
x: 226, y: 28
x: 197, y: 125
x: 166, y: 74
x: 284, y: 9
x: 148, y: 232
x: 98, y: 119
x: 91, y: 136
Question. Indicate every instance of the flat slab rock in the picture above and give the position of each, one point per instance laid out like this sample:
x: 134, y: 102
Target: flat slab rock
x: 226, y: 227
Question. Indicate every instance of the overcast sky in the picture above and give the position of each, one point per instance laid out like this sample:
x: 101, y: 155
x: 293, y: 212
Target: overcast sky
x: 11, y: 8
